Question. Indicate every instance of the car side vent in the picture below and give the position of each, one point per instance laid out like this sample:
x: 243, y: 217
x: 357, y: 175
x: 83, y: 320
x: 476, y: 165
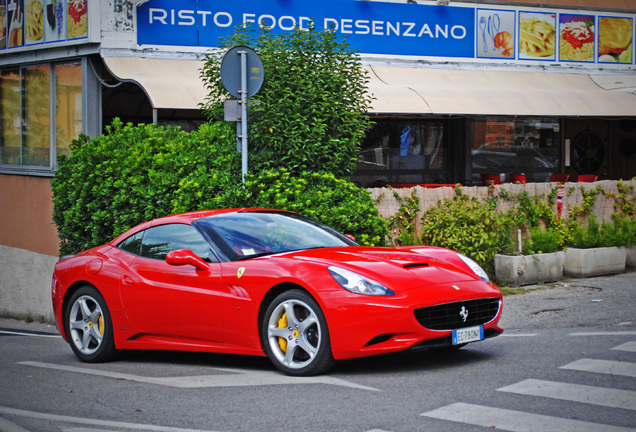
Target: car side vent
x: 415, y: 265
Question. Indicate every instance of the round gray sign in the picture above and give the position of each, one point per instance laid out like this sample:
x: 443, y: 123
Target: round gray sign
x: 231, y: 71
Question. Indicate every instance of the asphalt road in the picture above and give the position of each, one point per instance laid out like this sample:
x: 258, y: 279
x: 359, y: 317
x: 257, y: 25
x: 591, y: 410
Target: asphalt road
x: 566, y: 362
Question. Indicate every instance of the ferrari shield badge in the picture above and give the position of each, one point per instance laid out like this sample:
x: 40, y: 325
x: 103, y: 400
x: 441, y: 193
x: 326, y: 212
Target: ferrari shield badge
x: 240, y: 272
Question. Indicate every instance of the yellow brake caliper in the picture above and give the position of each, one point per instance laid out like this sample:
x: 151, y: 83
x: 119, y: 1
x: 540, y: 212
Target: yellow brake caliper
x: 101, y: 325
x: 282, y: 323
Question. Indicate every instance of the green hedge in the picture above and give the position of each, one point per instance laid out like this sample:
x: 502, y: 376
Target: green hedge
x: 133, y: 174
x: 336, y: 202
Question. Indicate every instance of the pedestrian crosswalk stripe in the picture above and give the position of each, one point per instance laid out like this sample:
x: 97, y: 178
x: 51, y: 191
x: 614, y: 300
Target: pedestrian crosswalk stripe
x: 603, y: 366
x: 514, y: 421
x: 627, y: 346
x: 600, y: 396
x: 605, y: 333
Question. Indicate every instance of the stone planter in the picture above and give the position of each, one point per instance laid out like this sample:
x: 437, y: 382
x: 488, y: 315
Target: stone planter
x: 630, y: 255
x: 529, y: 269
x: 594, y: 261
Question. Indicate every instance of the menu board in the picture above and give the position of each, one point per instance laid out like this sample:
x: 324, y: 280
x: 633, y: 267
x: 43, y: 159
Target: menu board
x: 25, y: 23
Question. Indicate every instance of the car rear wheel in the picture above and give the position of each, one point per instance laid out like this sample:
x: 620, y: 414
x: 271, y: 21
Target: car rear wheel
x: 89, y: 327
x: 296, y: 338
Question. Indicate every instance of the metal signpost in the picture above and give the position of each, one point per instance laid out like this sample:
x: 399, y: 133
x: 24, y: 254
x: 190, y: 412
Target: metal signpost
x: 242, y: 77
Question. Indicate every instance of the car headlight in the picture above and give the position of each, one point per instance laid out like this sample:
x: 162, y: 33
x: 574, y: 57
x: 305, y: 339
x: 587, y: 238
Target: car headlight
x: 474, y: 267
x: 358, y: 284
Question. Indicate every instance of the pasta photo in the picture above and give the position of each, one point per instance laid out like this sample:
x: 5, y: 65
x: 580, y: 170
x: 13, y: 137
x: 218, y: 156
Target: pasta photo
x: 76, y: 23
x: 576, y: 42
x: 34, y: 25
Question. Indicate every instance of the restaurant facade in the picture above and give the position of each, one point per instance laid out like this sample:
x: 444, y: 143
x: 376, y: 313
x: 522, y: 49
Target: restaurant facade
x: 460, y: 89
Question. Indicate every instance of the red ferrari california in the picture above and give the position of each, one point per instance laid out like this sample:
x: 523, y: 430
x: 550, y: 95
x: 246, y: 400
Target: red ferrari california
x: 266, y: 282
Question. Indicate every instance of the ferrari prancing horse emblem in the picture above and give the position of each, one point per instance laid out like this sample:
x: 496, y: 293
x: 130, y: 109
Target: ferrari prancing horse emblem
x: 240, y: 272
x: 464, y: 313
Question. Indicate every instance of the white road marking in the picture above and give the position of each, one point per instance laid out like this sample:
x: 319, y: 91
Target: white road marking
x: 627, y: 346
x: 603, y: 366
x: 92, y: 422
x: 7, y: 426
x: 606, y: 397
x: 515, y: 421
x: 17, y: 333
x: 234, y: 378
x: 605, y: 333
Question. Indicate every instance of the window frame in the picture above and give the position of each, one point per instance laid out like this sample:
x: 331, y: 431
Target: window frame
x: 49, y: 171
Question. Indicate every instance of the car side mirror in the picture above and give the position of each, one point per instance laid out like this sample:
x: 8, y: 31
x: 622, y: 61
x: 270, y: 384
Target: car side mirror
x: 181, y: 257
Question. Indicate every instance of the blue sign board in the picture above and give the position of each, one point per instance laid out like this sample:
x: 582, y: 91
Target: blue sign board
x: 370, y: 27
x: 471, y: 32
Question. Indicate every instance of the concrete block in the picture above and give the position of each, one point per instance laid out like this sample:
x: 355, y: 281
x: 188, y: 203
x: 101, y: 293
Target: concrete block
x: 594, y: 261
x: 529, y: 269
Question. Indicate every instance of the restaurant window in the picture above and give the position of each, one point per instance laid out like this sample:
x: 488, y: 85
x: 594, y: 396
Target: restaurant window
x: 505, y: 146
x: 40, y: 114
x: 403, y: 152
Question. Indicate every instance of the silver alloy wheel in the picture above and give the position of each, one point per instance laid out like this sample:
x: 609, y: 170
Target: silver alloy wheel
x: 294, y: 333
x: 86, y: 324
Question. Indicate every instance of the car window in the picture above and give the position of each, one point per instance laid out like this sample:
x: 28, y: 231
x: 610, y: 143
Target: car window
x: 246, y: 234
x: 132, y: 244
x: 158, y: 241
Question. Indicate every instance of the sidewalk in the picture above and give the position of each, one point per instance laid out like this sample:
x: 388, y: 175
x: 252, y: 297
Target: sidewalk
x: 32, y: 327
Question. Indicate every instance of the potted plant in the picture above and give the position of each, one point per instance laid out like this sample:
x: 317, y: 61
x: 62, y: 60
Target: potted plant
x: 600, y: 249
x: 540, y: 260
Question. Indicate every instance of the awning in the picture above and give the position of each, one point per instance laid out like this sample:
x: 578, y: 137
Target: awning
x: 176, y: 84
x: 410, y: 90
x: 168, y: 83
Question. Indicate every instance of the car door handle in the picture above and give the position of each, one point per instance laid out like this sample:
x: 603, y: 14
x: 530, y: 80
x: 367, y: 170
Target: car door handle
x: 125, y: 280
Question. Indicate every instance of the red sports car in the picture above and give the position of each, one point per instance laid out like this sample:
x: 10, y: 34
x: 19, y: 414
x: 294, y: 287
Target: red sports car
x: 267, y: 282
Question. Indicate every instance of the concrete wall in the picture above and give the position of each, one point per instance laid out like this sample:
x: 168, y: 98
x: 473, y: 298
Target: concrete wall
x: 603, y: 208
x: 25, y: 285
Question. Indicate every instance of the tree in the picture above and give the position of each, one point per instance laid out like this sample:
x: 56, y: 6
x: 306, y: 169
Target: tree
x: 310, y: 111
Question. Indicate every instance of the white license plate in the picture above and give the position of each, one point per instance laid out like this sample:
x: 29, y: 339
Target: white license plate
x: 468, y: 334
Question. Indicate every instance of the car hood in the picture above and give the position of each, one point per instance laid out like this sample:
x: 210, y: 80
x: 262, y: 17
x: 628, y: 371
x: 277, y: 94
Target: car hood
x: 401, y: 269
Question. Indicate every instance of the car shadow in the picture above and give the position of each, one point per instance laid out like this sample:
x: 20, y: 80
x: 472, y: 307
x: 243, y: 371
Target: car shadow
x: 412, y: 361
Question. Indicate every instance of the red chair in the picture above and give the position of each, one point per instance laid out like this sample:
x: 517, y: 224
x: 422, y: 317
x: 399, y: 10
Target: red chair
x: 490, y: 179
x: 559, y: 178
x: 518, y: 178
x: 587, y: 178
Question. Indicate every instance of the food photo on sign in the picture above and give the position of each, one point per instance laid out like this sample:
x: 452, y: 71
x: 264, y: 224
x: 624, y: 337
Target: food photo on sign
x: 3, y: 25
x: 576, y: 40
x: 34, y: 21
x: 537, y: 36
x: 15, y: 23
x: 76, y: 22
x: 495, y: 34
x: 615, y: 40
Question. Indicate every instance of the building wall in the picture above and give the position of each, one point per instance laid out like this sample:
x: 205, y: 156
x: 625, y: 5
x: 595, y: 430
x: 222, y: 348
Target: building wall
x: 26, y: 209
x: 29, y: 247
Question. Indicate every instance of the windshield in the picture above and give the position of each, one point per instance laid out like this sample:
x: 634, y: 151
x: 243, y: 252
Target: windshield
x: 244, y: 235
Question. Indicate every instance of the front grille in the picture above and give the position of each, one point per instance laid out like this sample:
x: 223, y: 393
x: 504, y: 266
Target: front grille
x: 450, y: 316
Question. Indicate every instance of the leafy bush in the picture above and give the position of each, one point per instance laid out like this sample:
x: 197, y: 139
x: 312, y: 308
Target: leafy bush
x: 541, y: 241
x: 620, y: 232
x: 320, y: 195
x: 310, y: 113
x: 135, y: 173
x: 472, y: 227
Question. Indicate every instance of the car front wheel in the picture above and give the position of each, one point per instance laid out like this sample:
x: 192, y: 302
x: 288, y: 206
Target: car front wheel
x: 88, y: 326
x: 296, y: 338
